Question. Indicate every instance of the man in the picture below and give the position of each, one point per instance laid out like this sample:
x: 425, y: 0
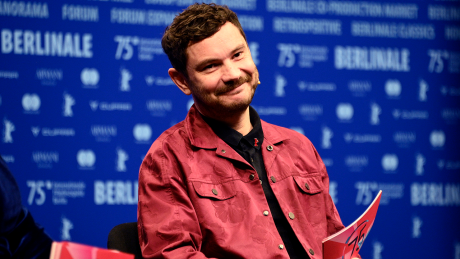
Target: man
x: 223, y: 183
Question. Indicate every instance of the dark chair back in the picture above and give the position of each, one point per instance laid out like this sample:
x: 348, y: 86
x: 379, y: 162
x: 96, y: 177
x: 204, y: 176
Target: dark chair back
x: 124, y: 238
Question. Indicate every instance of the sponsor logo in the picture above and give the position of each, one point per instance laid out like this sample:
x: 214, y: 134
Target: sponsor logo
x: 420, y: 162
x: 416, y: 227
x: 115, y: 192
x: 362, y: 138
x: 254, y: 48
x: 328, y: 162
x: 89, y: 77
x: 232, y: 4
x: 375, y: 113
x: 105, y: 106
x: 305, y: 56
x: 310, y: 111
x: 404, y: 138
x: 103, y: 133
x: 48, y: 132
x: 66, y: 226
x: 45, y: 159
x: 451, y: 115
x: 9, y: 74
x: 449, y: 164
x: 280, y: 83
x: 307, y: 26
x: 377, y: 250
x: 49, y: 76
x: 422, y: 89
x: 390, y: 163
x: 327, y: 134
x: 122, y: 157
x: 393, y: 88
x: 344, y: 111
x: 80, y: 13
x: 356, y: 163
x: 410, y: 115
x: 316, y: 87
x: 141, y: 17
x: 7, y: 130
x: 31, y: 103
x: 86, y: 158
x: 437, y: 138
x: 142, y: 132
x: 8, y: 158
x: 27, y: 42
x: 393, y: 30
x: 125, y: 77
x: 270, y: 110
x: 159, y: 107
x: 251, y: 22
x: 359, y: 88
x: 435, y: 194
x: 69, y: 101
x: 333, y: 186
x: 372, y: 59
x: 24, y: 9
x: 457, y: 250
x: 160, y: 81
x: 450, y: 90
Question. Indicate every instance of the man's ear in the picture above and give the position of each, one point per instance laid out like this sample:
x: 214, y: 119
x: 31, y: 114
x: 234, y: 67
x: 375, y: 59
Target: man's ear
x: 179, y: 79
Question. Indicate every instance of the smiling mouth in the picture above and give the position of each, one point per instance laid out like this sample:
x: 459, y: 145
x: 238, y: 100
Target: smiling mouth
x: 232, y: 86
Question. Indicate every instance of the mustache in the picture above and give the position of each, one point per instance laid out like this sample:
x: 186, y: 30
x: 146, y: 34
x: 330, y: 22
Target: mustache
x: 233, y: 84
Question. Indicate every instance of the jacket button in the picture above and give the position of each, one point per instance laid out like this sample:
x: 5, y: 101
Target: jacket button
x: 273, y: 179
x: 311, y: 251
x: 214, y: 191
x: 260, y: 181
x: 266, y: 213
x: 280, y: 246
x: 251, y: 177
x: 307, y: 186
x: 269, y: 148
x: 291, y: 215
x: 223, y: 151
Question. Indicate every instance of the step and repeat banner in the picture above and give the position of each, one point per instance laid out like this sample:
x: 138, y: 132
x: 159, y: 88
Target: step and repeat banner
x: 375, y: 85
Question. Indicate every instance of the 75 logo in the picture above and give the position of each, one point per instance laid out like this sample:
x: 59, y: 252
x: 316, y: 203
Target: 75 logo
x: 125, y: 46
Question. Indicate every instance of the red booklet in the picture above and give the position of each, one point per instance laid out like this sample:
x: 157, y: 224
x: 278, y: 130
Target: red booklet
x: 346, y: 243
x: 70, y: 250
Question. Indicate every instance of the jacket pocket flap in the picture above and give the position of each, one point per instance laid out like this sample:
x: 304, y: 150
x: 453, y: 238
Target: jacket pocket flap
x: 310, y: 185
x: 218, y: 191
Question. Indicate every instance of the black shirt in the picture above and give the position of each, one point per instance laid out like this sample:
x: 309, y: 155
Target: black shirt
x: 248, y: 147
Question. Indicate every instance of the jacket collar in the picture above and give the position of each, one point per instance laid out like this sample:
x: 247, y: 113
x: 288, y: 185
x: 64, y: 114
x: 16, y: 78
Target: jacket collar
x: 202, y: 136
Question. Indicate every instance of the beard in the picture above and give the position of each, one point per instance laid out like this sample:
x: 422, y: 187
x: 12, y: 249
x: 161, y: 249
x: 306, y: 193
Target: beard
x: 218, y: 108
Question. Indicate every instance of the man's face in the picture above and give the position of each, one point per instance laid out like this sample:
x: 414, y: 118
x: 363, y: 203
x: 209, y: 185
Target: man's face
x: 222, y: 75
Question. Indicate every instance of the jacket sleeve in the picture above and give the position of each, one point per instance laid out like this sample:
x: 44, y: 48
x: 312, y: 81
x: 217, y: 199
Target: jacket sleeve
x: 167, y: 223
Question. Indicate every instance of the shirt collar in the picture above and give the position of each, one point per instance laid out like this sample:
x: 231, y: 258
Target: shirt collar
x: 232, y: 137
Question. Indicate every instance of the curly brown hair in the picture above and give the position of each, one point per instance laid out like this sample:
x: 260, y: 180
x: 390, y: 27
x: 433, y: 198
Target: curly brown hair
x: 196, y: 23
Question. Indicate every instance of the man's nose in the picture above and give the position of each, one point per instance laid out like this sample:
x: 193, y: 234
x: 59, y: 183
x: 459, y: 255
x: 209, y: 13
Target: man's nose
x: 231, y: 72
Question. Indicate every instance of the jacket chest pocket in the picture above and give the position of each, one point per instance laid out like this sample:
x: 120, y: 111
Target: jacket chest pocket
x: 312, y: 197
x: 216, y: 191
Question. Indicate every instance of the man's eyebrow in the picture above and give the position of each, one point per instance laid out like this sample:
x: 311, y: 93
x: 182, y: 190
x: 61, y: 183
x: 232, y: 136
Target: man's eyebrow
x: 211, y: 60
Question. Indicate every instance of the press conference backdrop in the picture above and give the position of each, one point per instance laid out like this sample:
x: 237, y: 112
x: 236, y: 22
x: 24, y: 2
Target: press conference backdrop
x: 373, y: 84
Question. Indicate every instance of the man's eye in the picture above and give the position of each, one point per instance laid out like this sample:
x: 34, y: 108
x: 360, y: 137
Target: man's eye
x: 238, y: 54
x: 209, y: 66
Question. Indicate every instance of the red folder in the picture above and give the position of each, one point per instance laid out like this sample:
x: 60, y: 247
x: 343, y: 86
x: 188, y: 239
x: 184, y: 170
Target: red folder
x: 346, y: 243
x: 70, y: 250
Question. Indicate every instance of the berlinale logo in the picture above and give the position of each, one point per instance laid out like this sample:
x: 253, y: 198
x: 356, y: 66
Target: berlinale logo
x: 86, y: 158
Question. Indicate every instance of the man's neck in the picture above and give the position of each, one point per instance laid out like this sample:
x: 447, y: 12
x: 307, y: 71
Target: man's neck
x: 240, y: 122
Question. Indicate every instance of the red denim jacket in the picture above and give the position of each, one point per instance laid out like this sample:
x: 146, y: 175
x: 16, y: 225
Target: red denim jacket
x: 198, y: 198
